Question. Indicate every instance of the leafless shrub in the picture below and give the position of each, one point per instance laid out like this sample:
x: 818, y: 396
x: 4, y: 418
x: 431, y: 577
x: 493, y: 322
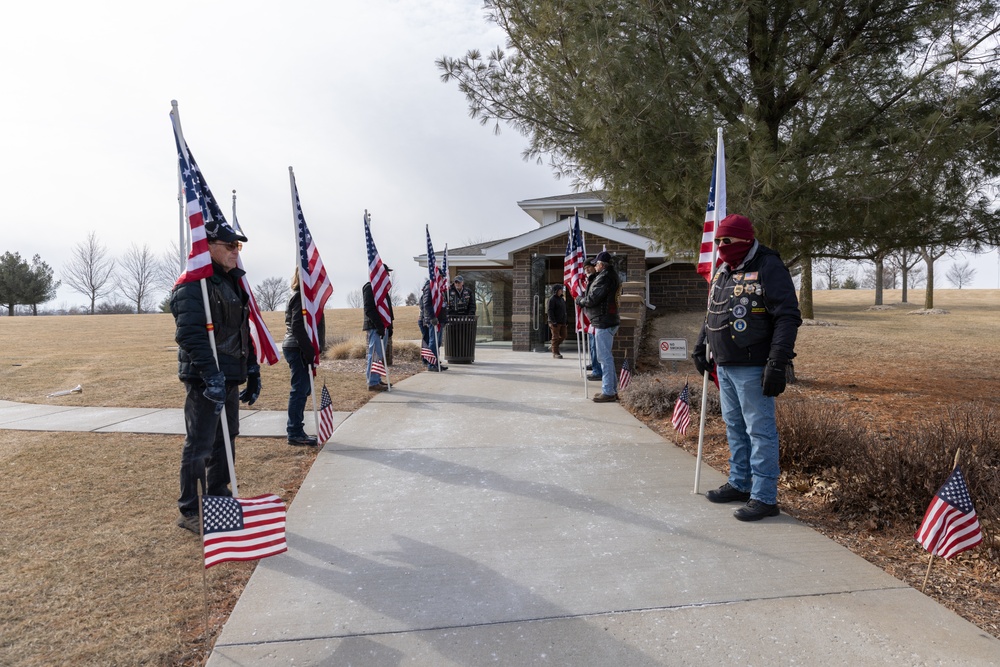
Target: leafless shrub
x: 655, y: 397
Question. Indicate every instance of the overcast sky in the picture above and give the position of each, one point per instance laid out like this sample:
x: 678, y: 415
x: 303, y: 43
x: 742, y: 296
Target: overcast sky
x: 346, y: 93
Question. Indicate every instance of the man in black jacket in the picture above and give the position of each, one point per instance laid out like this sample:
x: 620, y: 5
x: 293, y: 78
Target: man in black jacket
x: 300, y: 354
x: 210, y: 384
x: 750, y: 328
x: 601, y: 302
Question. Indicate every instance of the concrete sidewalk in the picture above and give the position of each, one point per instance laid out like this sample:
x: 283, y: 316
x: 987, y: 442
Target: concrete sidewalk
x: 492, y: 515
x: 170, y: 421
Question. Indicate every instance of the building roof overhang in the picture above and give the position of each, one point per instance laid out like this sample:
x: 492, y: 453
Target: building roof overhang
x: 501, y: 254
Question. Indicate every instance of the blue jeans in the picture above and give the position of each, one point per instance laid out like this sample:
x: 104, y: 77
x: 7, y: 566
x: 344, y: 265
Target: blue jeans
x: 375, y: 343
x: 299, y: 393
x: 603, y: 339
x: 595, y: 368
x: 751, y: 431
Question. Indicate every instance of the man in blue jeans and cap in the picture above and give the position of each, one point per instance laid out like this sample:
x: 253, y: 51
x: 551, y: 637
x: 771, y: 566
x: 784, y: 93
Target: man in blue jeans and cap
x: 750, y: 328
x: 601, y: 303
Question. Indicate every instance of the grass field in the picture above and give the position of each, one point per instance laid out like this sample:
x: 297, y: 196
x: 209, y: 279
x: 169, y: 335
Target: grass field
x: 95, y: 571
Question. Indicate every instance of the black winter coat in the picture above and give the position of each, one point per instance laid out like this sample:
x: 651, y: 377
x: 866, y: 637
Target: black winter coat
x: 601, y: 299
x: 373, y: 320
x: 296, y: 336
x: 753, y: 313
x: 230, y: 320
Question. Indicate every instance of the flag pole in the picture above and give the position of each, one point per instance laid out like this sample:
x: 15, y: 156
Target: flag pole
x: 719, y: 192
x: 583, y: 249
x: 204, y: 570
x: 302, y: 295
x: 930, y: 561
x: 210, y: 328
x: 388, y: 383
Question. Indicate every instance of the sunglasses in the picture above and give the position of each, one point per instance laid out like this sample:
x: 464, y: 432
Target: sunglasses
x: 726, y: 240
x: 231, y: 245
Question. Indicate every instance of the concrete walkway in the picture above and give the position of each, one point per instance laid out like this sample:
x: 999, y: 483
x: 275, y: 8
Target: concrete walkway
x: 492, y: 515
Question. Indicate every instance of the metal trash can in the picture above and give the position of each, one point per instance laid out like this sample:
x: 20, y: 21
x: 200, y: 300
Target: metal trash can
x: 460, y: 340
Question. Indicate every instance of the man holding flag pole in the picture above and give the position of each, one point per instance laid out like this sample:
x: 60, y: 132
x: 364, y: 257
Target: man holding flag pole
x: 214, y: 353
x: 750, y: 329
x: 378, y: 313
x: 432, y: 313
x: 314, y: 286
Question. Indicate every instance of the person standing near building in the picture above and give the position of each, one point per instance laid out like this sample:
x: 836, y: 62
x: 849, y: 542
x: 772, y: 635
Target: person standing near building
x: 556, y: 312
x: 590, y: 268
x: 299, y: 353
x: 750, y: 328
x: 601, y: 301
x: 461, y: 302
x: 212, y: 383
x: 430, y: 326
x: 376, y: 332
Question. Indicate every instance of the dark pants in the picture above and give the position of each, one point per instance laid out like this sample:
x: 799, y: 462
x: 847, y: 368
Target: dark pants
x: 204, y: 454
x: 300, y: 391
x: 558, y: 336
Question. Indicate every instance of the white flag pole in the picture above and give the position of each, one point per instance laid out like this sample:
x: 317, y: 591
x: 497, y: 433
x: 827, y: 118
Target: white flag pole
x: 720, y: 205
x: 586, y: 334
x: 302, y: 295
x: 210, y: 328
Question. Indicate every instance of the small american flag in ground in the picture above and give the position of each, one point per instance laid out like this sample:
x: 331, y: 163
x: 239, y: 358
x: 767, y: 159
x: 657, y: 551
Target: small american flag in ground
x: 378, y: 368
x: 325, y: 416
x: 625, y: 377
x: 243, y: 528
x: 428, y: 355
x: 682, y: 411
x: 950, y: 525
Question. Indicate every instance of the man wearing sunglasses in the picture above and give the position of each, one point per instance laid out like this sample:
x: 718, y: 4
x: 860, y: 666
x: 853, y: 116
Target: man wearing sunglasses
x: 211, y: 385
x: 750, y: 328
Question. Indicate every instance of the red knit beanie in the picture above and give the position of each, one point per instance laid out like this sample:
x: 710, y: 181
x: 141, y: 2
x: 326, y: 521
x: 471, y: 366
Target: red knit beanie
x: 735, y: 225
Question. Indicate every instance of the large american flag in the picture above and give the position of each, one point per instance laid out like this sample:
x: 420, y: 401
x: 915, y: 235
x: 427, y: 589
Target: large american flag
x: 263, y: 343
x: 681, y: 418
x: 443, y: 279
x: 950, y: 525
x: 432, y: 275
x: 199, y: 261
x: 379, y: 277
x: 625, y: 376
x: 313, y: 281
x: 325, y: 416
x: 242, y: 528
x: 574, y: 275
x: 716, y: 191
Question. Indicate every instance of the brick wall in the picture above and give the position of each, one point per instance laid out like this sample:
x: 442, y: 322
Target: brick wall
x: 676, y: 288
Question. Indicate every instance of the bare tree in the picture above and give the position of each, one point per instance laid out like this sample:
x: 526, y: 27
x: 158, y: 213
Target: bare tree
x: 354, y: 299
x: 167, y: 268
x: 271, y: 293
x: 90, y: 271
x: 394, y: 296
x: 905, y: 261
x: 830, y: 268
x: 411, y: 299
x: 137, y: 276
x: 960, y: 275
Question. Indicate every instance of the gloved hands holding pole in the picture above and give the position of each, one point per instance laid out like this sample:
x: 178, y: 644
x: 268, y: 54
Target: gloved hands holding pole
x: 215, y: 390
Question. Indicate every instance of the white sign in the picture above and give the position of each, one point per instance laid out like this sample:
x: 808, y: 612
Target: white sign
x: 673, y: 348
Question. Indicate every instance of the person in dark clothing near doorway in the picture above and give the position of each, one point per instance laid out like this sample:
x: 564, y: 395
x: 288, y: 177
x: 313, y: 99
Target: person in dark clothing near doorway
x: 556, y: 311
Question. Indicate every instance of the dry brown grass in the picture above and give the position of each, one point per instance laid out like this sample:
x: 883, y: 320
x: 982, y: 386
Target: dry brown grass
x: 95, y: 571
x: 883, y: 369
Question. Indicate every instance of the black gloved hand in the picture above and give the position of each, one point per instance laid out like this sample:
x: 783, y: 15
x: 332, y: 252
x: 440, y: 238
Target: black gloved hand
x: 773, y: 379
x: 389, y: 331
x: 252, y: 391
x: 307, y: 357
x: 434, y: 321
x: 701, y: 362
x: 215, y: 390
